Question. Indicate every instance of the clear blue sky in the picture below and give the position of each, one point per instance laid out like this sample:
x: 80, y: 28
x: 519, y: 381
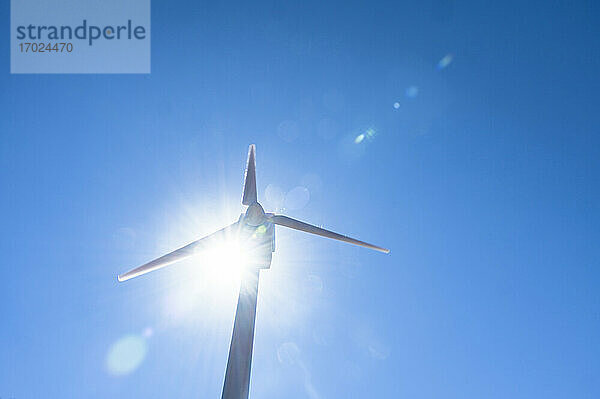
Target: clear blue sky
x: 484, y: 182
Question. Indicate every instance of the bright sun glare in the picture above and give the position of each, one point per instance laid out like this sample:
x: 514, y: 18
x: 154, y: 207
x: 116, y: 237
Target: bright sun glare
x: 224, y: 261
x: 208, y: 282
x: 205, y: 288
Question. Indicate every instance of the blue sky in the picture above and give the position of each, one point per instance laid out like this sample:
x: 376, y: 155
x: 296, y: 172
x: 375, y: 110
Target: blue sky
x: 483, y: 182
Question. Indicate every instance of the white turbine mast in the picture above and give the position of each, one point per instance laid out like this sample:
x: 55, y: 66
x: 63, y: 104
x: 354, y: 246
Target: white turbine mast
x: 256, y: 230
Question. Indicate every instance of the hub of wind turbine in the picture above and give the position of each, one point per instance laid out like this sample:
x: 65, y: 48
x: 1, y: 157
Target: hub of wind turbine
x: 255, y: 215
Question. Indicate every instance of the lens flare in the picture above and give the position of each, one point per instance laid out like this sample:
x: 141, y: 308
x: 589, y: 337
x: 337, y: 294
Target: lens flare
x: 445, y: 61
x: 206, y: 283
x: 312, y: 182
x: 148, y: 332
x: 288, y: 353
x: 368, y: 134
x: 378, y: 351
x: 225, y: 261
x: 412, y: 91
x: 297, y: 198
x: 275, y: 196
x: 126, y: 355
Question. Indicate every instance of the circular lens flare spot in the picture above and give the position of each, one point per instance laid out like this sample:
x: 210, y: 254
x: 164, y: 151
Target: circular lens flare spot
x: 148, y: 332
x: 297, y: 198
x: 126, y: 355
x: 412, y: 91
x: 288, y: 353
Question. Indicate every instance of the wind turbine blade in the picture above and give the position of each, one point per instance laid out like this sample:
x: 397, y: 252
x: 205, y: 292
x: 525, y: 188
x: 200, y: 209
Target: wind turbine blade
x: 179, y: 254
x: 308, y: 228
x: 249, y: 196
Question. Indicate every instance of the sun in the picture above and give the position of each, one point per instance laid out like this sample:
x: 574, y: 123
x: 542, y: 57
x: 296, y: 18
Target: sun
x: 206, y: 284
x: 224, y: 262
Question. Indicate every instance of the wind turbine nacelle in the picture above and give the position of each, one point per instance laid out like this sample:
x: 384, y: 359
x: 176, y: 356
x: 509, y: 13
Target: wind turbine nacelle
x: 255, y: 215
x: 258, y: 234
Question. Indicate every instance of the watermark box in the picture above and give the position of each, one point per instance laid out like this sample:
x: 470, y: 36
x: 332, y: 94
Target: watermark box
x: 80, y: 36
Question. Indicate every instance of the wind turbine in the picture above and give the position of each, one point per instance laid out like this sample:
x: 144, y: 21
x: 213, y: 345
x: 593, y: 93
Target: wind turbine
x: 255, y: 230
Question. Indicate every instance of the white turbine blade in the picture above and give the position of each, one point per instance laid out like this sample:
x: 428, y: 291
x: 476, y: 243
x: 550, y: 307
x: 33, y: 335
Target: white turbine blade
x: 298, y: 225
x: 179, y: 254
x: 249, y: 196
